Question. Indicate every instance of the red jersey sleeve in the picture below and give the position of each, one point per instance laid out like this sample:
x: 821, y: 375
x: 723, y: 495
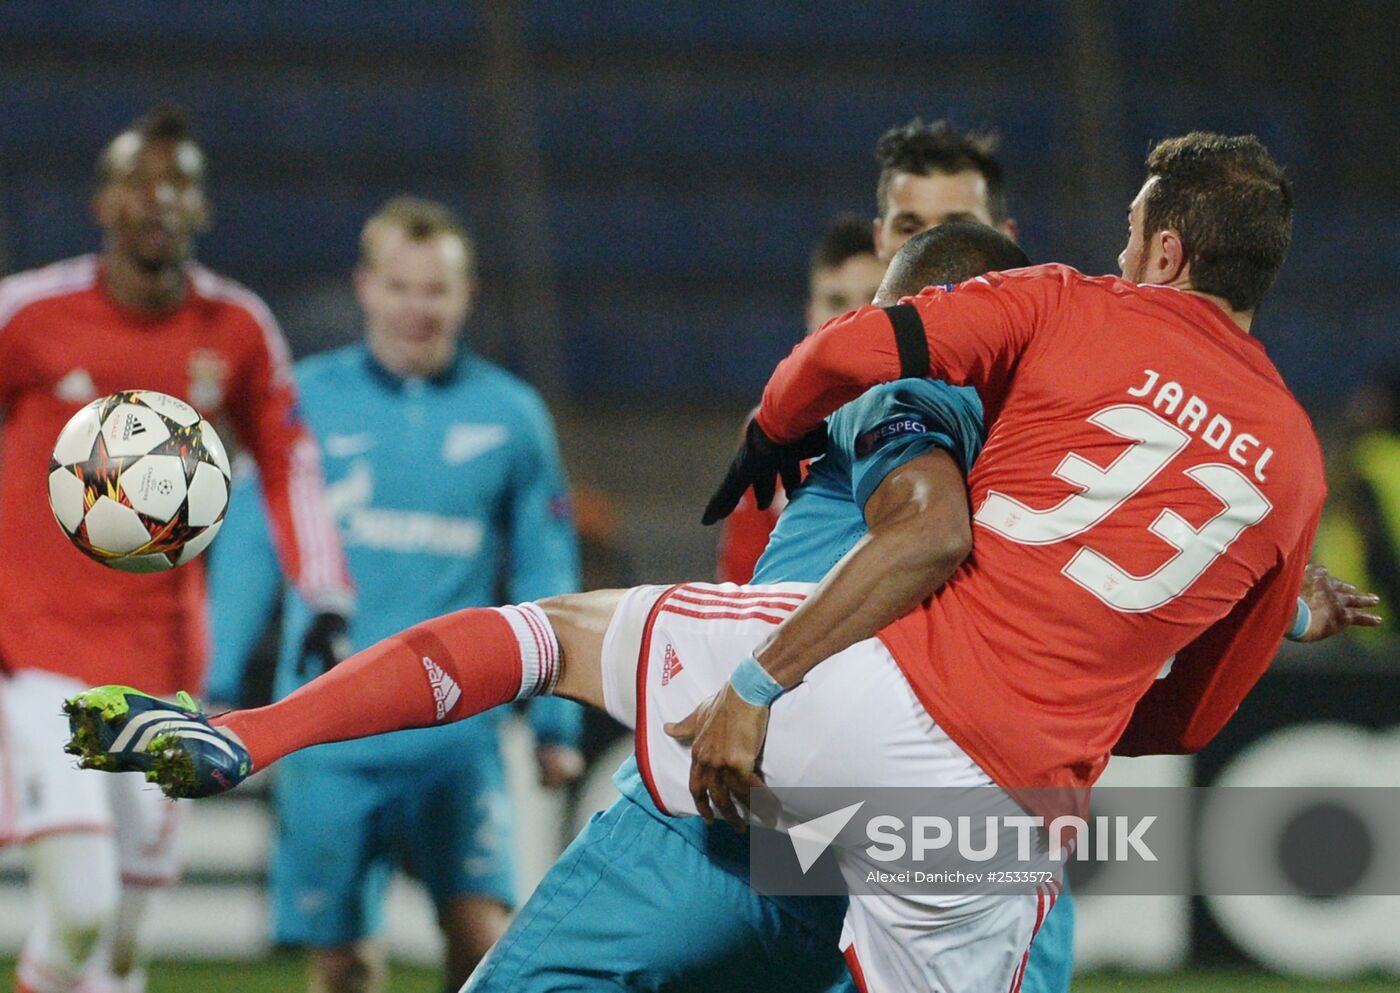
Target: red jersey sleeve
x: 269, y: 425
x: 968, y: 335
x: 12, y: 364
x: 1210, y: 677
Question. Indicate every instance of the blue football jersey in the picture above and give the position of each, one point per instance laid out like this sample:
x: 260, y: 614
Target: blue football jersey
x: 449, y: 493
x: 867, y: 439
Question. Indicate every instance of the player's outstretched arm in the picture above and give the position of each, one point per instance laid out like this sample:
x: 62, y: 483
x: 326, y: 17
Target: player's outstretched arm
x: 971, y: 335
x: 919, y: 534
x: 968, y: 335
x: 1181, y: 712
x: 1210, y: 677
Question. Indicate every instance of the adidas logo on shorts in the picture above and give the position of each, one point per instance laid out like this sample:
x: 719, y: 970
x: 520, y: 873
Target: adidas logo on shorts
x: 670, y: 665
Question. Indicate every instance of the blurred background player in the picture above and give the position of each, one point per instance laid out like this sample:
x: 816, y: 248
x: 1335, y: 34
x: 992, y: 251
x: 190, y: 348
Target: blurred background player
x: 844, y: 274
x: 931, y: 174
x: 1360, y: 535
x: 446, y: 480
x: 140, y: 314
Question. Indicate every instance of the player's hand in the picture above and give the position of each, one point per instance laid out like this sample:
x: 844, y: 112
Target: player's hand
x: 559, y: 765
x: 326, y: 644
x: 759, y: 463
x: 726, y: 735
x: 1335, y: 605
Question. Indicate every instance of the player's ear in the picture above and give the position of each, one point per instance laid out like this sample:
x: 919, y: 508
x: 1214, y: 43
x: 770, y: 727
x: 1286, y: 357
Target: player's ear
x: 1170, y: 261
x: 877, y: 230
x: 1011, y: 229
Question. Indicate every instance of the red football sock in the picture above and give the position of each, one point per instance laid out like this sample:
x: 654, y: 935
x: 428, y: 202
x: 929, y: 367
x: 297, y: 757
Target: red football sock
x: 440, y: 671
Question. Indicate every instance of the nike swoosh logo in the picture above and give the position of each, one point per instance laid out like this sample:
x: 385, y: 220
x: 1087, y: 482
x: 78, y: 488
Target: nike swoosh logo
x: 345, y: 446
x: 465, y: 442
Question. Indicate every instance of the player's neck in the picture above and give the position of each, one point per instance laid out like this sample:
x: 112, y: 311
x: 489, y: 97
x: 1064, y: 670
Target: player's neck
x: 144, y: 290
x: 1244, y: 319
x: 412, y: 366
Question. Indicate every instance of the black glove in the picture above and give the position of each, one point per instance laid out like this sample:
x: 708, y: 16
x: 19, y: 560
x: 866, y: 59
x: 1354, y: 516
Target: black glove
x: 327, y: 642
x: 759, y: 463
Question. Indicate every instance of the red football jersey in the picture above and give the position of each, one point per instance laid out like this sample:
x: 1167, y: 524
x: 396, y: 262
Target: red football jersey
x: 745, y: 535
x: 64, y: 341
x: 1149, y: 489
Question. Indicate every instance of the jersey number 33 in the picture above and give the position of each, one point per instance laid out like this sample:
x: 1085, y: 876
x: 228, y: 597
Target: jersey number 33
x: 1102, y: 490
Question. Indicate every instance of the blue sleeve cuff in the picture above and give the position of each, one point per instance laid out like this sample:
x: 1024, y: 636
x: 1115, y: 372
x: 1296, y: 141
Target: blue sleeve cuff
x: 1302, y: 620
x: 753, y: 684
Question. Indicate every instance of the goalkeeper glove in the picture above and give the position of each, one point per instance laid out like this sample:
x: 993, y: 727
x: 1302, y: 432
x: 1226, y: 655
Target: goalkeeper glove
x: 326, y: 644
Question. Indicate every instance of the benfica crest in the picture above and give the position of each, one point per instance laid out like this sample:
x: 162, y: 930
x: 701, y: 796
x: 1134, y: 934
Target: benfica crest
x: 208, y: 377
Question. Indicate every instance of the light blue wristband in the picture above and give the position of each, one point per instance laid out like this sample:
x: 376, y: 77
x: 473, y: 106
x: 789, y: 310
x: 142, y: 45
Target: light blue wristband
x: 753, y: 684
x: 1302, y: 620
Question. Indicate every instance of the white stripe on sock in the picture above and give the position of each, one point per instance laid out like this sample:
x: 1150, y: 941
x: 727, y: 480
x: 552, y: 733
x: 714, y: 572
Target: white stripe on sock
x: 539, y: 649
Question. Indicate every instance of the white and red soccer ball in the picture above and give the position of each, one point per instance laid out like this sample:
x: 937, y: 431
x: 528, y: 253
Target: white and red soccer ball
x: 139, y: 481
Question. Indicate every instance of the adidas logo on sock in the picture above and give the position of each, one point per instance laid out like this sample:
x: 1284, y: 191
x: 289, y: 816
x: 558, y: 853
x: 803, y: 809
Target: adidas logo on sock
x: 670, y: 665
x: 446, y: 692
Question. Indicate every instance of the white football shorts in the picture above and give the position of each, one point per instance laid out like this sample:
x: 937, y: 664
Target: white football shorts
x: 43, y: 792
x: 853, y: 721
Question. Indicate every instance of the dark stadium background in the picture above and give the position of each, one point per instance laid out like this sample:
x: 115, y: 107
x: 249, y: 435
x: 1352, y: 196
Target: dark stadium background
x: 646, y: 180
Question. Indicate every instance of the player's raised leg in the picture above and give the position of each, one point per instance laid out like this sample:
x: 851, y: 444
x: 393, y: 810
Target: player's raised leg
x: 440, y: 671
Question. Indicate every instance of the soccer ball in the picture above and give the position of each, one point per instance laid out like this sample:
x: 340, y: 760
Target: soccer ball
x: 139, y: 481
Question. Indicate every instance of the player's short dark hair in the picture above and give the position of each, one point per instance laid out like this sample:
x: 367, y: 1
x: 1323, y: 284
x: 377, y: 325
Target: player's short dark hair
x: 419, y: 220
x: 923, y: 149
x: 167, y: 122
x: 847, y: 236
x: 949, y: 253
x: 164, y: 122
x: 1233, y: 207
